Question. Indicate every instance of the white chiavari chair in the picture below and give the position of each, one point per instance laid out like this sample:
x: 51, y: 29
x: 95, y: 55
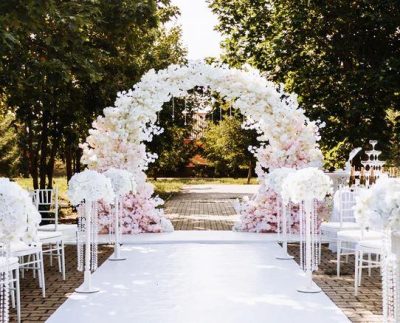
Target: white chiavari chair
x: 342, y: 217
x: 367, y: 248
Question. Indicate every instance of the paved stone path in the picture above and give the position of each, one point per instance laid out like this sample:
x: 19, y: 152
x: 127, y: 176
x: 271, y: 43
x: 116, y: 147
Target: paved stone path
x: 206, y: 207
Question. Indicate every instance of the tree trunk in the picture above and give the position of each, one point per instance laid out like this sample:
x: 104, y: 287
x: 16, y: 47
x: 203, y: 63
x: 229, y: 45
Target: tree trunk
x: 68, y: 161
x: 33, y: 156
x: 78, y: 160
x: 249, y: 173
x: 52, y: 159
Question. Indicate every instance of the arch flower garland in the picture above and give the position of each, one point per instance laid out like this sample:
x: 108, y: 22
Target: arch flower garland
x: 288, y: 138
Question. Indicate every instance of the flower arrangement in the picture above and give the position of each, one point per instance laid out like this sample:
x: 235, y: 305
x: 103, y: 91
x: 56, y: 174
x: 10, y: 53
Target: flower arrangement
x: 306, y: 184
x: 276, y: 178
x: 379, y: 206
x: 19, y: 218
x: 90, y: 185
x: 140, y: 213
x: 122, y: 181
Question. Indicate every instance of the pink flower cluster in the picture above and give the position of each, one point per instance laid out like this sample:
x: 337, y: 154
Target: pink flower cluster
x: 261, y: 214
x: 140, y: 213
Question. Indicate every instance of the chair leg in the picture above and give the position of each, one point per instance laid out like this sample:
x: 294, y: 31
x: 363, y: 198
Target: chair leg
x: 51, y: 255
x: 369, y: 264
x: 18, y: 295
x: 41, y: 273
x: 58, y: 247
x: 339, y: 250
x: 360, y: 267
x: 357, y: 264
x: 12, y: 288
x: 63, y: 260
x: 36, y: 266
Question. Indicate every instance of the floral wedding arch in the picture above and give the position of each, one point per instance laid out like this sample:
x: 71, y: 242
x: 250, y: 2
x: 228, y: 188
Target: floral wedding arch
x: 118, y: 139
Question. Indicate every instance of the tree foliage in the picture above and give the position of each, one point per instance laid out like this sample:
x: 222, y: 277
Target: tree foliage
x: 226, y: 145
x: 173, y: 147
x: 9, y: 153
x: 341, y: 57
x: 62, y: 62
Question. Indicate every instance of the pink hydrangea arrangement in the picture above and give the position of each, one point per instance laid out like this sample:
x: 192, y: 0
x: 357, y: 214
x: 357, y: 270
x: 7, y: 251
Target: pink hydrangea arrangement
x: 141, y: 213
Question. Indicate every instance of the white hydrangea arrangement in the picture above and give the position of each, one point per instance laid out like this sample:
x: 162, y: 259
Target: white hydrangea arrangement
x: 275, y: 179
x: 379, y: 207
x: 90, y: 185
x: 122, y: 181
x: 19, y: 218
x: 306, y: 184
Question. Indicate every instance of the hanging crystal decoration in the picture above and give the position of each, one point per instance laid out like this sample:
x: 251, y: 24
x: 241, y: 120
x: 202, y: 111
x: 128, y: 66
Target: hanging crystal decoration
x: 5, y: 285
x: 87, y: 244
x: 283, y: 227
x: 390, y: 278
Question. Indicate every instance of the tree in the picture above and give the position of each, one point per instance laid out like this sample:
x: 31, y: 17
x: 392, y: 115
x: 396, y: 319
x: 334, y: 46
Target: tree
x: 9, y: 154
x: 341, y: 57
x: 226, y: 145
x: 62, y: 62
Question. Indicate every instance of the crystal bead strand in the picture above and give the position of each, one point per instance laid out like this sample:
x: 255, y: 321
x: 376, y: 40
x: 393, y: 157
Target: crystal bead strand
x: 301, y: 213
x: 94, y: 239
x: 81, y: 237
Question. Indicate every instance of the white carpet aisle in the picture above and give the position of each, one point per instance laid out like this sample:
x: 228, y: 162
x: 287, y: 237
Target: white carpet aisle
x: 199, y: 283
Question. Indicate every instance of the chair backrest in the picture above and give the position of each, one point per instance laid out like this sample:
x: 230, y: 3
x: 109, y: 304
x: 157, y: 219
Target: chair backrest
x: 347, y: 202
x: 46, y: 201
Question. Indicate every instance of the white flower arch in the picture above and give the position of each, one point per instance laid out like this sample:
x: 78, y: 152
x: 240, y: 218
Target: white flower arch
x: 118, y: 138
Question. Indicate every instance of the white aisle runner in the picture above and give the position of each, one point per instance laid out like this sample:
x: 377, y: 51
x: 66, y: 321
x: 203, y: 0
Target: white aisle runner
x: 199, y: 283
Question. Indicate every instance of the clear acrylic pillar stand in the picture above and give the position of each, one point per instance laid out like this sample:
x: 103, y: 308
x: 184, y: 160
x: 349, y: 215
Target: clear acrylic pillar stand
x: 87, y: 287
x: 284, y: 219
x: 308, y: 246
x: 117, y: 231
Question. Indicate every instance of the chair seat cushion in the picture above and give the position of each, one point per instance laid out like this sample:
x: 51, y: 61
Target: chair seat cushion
x: 335, y: 226
x: 356, y: 235
x: 46, y: 235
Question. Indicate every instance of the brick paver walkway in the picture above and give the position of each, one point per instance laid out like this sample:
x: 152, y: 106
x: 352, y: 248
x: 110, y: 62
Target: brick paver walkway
x: 35, y: 308
x: 367, y: 306
x: 203, y: 211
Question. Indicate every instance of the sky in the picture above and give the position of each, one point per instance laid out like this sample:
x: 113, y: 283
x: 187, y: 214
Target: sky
x: 198, y: 23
